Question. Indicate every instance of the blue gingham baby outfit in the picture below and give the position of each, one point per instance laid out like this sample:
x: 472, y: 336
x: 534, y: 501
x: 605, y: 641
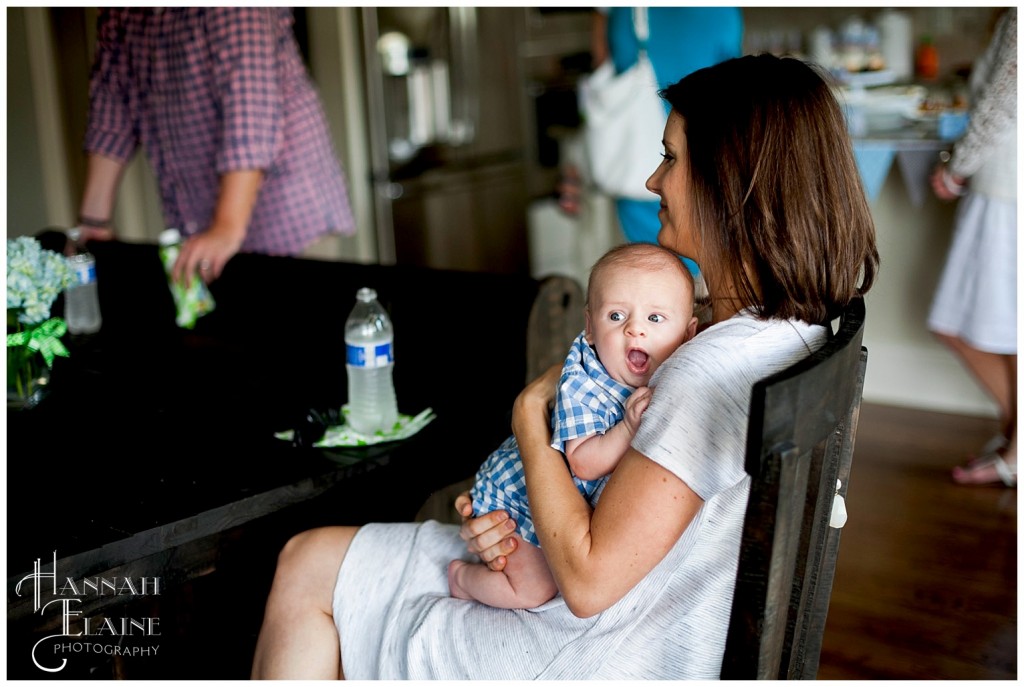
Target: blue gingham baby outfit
x: 588, y: 402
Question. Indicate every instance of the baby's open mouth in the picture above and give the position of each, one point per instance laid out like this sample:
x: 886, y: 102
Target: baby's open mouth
x: 638, y: 361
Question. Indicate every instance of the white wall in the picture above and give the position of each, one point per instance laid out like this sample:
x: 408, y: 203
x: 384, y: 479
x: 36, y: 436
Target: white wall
x: 27, y: 215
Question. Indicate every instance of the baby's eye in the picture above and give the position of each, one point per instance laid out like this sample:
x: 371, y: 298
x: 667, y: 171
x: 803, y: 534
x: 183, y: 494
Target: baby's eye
x: 656, y: 318
x: 616, y: 316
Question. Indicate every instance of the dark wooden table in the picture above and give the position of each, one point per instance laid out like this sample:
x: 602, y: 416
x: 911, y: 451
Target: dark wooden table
x: 155, y: 448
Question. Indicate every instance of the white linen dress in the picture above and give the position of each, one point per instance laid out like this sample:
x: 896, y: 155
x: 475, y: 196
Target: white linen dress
x: 395, y: 617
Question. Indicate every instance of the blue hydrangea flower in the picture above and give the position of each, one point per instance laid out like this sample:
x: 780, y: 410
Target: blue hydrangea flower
x: 35, y: 277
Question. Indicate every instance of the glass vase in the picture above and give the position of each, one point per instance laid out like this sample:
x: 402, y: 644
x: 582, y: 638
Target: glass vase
x: 27, y: 372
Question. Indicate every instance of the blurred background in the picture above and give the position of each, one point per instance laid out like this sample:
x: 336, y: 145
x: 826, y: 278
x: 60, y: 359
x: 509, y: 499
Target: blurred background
x: 453, y: 125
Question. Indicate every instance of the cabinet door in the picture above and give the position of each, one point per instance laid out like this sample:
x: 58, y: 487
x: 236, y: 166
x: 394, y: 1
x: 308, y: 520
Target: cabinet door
x: 487, y: 84
x: 467, y: 221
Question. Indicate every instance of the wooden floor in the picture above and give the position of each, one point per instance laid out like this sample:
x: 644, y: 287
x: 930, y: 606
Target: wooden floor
x: 926, y: 584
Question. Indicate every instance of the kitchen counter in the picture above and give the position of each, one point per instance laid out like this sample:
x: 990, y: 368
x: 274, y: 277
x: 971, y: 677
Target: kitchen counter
x: 902, y: 122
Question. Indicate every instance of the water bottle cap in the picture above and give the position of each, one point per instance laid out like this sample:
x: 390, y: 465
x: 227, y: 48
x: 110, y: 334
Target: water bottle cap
x: 169, y: 237
x: 366, y: 295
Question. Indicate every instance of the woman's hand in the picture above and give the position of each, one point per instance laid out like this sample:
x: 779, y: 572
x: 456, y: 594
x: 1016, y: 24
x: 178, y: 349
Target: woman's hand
x: 537, y: 397
x: 945, y: 185
x: 488, y: 536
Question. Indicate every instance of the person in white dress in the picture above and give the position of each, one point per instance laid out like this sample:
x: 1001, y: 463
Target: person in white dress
x: 974, y: 310
x: 759, y: 186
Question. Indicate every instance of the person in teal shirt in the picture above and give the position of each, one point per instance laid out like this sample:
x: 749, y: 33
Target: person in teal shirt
x: 682, y: 40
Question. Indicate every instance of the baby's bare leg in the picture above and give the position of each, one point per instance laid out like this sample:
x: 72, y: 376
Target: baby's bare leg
x: 526, y: 581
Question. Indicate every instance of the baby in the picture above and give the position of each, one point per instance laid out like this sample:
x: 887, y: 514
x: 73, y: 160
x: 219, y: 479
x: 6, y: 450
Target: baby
x: 640, y: 302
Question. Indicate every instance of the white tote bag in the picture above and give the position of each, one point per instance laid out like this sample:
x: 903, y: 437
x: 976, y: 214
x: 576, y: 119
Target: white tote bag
x: 624, y: 122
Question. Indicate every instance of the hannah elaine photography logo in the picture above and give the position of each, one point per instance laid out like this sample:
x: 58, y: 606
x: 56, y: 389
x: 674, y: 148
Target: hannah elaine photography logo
x: 53, y: 595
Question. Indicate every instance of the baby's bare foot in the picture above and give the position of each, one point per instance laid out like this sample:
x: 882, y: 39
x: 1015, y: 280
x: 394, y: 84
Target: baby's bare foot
x: 454, y: 587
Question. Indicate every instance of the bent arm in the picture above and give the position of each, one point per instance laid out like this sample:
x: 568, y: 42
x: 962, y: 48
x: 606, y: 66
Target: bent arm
x: 597, y: 455
x: 596, y: 558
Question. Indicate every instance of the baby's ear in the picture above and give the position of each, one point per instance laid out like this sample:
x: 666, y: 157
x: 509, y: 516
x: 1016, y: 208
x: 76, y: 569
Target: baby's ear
x: 587, y: 329
x: 691, y: 329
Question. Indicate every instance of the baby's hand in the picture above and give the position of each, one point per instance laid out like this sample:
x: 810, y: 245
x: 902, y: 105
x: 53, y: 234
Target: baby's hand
x: 636, y: 404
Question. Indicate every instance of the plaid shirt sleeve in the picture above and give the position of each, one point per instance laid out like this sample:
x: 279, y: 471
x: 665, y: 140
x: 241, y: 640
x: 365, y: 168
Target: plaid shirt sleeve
x: 112, y: 129
x: 583, y: 408
x: 243, y: 46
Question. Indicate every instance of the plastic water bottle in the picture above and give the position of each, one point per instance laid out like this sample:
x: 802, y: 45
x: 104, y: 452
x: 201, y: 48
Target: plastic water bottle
x: 369, y: 358
x: 81, y: 300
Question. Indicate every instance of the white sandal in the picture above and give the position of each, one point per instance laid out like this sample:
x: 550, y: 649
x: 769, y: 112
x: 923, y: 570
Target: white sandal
x: 997, y: 442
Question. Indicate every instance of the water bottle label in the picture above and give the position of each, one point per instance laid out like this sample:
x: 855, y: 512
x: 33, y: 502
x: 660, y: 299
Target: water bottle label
x: 373, y: 355
x: 85, y: 272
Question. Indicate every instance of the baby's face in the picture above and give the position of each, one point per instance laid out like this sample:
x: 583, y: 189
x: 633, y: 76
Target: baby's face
x: 637, y: 318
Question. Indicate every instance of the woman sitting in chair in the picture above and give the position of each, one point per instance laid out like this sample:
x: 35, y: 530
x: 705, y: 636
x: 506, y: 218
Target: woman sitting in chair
x: 759, y: 187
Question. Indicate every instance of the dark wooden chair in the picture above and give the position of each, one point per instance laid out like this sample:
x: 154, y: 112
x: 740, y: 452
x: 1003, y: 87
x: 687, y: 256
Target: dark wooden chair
x: 803, y: 422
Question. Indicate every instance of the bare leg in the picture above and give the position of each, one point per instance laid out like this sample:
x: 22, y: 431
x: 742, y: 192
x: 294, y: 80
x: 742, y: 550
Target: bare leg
x: 997, y: 375
x: 526, y: 581
x: 1010, y: 453
x: 298, y: 639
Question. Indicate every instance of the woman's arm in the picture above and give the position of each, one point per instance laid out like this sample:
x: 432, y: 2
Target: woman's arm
x: 996, y: 108
x: 596, y: 558
x: 594, y: 456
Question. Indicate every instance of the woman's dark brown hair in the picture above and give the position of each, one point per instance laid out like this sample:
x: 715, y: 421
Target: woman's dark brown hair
x: 777, y: 198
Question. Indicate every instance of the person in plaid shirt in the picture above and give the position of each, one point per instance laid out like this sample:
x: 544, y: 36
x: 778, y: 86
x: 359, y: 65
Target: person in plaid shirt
x: 640, y: 302
x: 220, y: 101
